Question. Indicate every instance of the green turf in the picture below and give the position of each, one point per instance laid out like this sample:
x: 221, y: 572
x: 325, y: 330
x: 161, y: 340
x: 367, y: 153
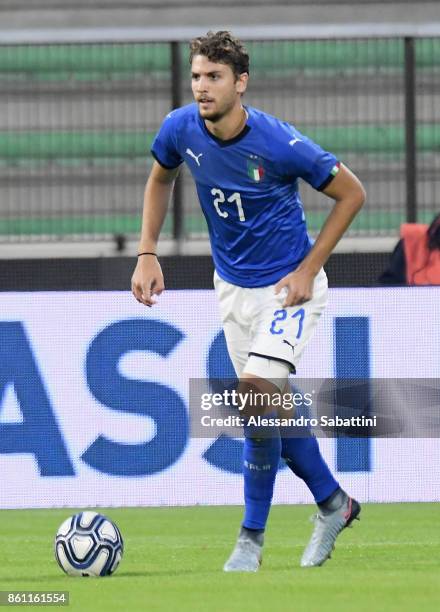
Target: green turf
x: 173, y: 559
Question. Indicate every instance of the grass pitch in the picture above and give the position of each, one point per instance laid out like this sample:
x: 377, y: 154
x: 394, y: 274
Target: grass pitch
x: 174, y: 556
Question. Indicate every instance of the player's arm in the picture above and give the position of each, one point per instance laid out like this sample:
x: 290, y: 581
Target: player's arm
x: 147, y: 279
x: 349, y: 196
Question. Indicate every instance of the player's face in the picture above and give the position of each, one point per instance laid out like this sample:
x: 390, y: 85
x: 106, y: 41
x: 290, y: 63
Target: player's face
x: 215, y: 88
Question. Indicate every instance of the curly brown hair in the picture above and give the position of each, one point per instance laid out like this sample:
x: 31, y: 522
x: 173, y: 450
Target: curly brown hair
x: 223, y: 48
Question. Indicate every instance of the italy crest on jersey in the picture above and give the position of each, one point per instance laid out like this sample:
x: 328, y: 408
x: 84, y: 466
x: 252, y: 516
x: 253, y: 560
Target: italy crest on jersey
x: 255, y: 169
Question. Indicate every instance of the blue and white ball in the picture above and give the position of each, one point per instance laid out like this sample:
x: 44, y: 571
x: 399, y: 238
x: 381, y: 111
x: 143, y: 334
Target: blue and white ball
x: 88, y: 544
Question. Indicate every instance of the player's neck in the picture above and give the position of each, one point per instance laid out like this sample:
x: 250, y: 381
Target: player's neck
x: 229, y: 126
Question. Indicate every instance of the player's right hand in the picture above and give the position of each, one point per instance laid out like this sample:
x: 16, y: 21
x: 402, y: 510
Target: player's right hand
x: 147, y: 280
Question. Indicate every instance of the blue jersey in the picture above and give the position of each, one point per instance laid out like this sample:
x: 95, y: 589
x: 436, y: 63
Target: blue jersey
x: 248, y: 190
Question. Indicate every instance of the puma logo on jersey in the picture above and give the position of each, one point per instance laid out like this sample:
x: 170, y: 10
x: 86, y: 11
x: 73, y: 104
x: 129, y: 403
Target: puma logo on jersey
x: 294, y: 141
x: 194, y: 156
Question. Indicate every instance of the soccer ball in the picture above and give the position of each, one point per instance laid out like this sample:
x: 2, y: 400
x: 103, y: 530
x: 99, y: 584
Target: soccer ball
x: 88, y: 544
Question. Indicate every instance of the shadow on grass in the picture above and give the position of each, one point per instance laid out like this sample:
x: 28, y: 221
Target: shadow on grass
x: 117, y: 576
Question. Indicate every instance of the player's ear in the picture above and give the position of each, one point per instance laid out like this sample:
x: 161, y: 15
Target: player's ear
x: 241, y: 82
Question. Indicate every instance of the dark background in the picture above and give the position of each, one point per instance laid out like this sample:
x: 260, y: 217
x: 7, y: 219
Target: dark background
x: 181, y: 272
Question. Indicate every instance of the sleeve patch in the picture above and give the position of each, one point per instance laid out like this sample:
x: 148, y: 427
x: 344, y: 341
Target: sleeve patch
x: 333, y: 172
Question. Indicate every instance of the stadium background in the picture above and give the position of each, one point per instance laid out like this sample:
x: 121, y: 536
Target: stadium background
x: 82, y: 92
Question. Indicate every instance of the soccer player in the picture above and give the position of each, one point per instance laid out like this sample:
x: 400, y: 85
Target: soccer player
x: 269, y: 277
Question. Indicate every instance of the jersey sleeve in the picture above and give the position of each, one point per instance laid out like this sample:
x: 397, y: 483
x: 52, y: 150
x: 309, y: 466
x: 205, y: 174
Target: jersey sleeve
x: 164, y: 148
x: 304, y: 158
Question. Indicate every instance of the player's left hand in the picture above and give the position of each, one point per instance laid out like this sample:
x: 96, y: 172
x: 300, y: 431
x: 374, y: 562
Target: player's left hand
x: 299, y: 285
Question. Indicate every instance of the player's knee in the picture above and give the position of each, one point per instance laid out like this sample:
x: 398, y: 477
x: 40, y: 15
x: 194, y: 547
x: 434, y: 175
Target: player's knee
x: 261, y: 388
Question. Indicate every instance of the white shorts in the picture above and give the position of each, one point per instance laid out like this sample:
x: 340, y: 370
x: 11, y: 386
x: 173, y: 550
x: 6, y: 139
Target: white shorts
x: 255, y: 322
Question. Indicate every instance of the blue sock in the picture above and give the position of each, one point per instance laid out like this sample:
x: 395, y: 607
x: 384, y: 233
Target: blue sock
x: 261, y: 457
x: 304, y: 458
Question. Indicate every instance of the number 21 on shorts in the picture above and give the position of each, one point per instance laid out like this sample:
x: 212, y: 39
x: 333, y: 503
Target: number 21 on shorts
x: 281, y: 315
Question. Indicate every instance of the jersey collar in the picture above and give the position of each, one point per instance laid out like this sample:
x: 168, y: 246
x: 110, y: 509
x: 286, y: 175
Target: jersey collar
x: 230, y: 141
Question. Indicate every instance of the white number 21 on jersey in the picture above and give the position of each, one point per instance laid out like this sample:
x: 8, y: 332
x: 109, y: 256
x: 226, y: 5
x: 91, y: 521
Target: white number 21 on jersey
x: 220, y: 199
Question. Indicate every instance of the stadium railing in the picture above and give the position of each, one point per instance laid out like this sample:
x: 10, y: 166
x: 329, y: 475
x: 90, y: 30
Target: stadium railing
x: 79, y: 110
